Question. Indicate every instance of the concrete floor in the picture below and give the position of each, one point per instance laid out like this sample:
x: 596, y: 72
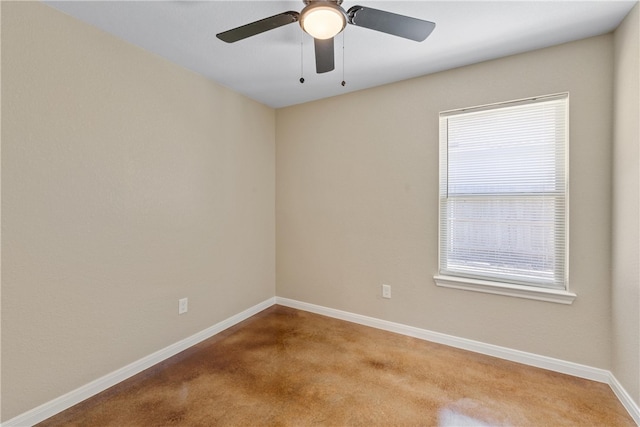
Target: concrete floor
x: 285, y: 367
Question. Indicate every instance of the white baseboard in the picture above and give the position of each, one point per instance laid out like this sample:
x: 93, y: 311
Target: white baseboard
x: 625, y: 398
x: 66, y: 401
x: 531, y: 359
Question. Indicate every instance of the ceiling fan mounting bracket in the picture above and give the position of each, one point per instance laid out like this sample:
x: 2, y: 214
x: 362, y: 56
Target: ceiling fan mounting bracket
x: 307, y: 2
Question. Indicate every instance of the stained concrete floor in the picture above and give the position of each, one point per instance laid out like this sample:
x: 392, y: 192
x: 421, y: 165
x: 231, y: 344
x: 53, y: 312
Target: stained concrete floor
x: 285, y: 367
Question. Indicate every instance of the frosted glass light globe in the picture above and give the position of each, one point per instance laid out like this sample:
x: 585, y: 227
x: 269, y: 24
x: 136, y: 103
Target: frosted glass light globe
x: 322, y: 21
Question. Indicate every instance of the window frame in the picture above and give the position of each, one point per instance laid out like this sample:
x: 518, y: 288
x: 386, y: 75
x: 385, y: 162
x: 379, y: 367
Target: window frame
x: 499, y: 286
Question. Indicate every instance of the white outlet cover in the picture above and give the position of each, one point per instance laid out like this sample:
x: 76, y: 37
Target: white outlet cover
x: 386, y: 291
x: 183, y: 305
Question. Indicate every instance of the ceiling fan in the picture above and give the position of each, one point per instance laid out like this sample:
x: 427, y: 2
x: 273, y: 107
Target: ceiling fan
x: 324, y: 19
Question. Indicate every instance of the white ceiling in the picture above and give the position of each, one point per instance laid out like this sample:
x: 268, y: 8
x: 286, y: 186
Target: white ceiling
x: 267, y: 67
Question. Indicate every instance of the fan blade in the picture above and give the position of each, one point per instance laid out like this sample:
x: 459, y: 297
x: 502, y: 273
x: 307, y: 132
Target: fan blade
x: 258, y: 27
x: 390, y: 23
x: 324, y: 55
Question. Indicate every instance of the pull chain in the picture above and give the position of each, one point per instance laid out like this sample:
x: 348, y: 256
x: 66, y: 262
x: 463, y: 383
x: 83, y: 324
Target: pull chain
x: 301, y: 58
x: 343, y: 82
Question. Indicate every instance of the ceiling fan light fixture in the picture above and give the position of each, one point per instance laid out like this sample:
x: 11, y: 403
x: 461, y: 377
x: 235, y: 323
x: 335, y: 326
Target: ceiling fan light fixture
x: 323, y: 21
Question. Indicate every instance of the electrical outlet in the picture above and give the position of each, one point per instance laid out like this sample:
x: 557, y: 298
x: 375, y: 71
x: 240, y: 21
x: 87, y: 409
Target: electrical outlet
x: 386, y: 291
x: 183, y: 305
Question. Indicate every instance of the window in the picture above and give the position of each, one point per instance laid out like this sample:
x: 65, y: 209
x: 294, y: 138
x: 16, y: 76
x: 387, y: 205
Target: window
x: 503, y: 199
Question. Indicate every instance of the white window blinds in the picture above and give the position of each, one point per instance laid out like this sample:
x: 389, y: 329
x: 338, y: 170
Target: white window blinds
x: 503, y: 192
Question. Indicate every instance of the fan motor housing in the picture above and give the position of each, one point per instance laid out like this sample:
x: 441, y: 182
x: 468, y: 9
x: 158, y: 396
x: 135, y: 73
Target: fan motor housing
x: 308, y: 2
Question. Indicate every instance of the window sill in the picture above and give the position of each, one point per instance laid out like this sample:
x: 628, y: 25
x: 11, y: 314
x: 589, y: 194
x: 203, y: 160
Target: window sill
x: 518, y: 291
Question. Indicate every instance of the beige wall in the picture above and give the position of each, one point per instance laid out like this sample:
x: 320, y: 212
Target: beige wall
x: 127, y: 182
x: 357, y: 203
x: 626, y: 207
